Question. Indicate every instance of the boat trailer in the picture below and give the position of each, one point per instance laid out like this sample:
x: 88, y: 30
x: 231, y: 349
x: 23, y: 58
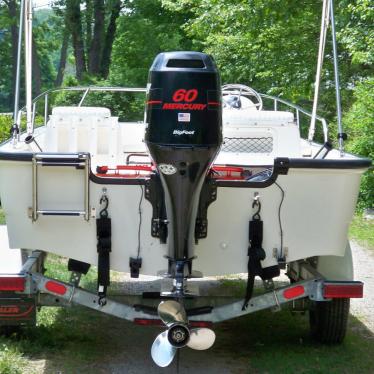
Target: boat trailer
x: 22, y: 293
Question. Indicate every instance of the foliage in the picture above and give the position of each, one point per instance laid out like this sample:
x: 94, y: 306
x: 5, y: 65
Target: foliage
x: 144, y: 30
x: 47, y: 33
x: 357, y: 34
x: 11, y: 361
x: 362, y: 230
x: 46, y: 43
x: 359, y: 122
x: 264, y: 44
x: 127, y: 106
x: 5, y: 59
x: 5, y: 126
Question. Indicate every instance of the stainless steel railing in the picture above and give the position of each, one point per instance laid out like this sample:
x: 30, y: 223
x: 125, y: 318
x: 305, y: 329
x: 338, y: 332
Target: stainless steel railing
x: 297, y: 110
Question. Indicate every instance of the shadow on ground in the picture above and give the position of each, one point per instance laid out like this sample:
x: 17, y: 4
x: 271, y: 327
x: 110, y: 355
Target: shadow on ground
x: 77, y: 340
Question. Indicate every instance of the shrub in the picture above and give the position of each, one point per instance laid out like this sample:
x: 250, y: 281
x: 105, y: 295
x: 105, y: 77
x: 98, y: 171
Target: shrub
x: 5, y: 125
x: 360, y: 127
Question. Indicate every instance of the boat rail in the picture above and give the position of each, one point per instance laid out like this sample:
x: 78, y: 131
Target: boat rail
x: 297, y: 110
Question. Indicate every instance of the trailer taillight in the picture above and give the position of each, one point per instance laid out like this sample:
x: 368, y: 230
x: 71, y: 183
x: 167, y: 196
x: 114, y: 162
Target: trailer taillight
x: 12, y: 283
x: 56, y: 287
x: 335, y: 290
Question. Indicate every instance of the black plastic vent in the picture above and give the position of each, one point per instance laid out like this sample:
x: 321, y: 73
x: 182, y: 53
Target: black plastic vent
x: 182, y: 63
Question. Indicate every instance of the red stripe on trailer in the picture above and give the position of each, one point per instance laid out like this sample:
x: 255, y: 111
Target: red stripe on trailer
x: 56, y: 287
x: 148, y: 322
x: 343, y: 290
x: 12, y: 283
x: 293, y: 292
x: 201, y: 324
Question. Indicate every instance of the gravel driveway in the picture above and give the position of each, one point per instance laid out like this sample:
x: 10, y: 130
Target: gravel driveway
x: 363, y: 261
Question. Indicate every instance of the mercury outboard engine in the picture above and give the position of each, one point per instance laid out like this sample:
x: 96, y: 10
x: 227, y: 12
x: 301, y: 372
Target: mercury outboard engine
x: 184, y: 134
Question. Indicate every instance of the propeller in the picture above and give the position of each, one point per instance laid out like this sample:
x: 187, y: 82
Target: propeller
x: 178, y: 334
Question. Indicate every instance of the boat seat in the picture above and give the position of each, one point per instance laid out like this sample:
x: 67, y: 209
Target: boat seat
x: 270, y: 133
x: 82, y: 111
x: 132, y: 135
x: 83, y: 129
x: 234, y: 117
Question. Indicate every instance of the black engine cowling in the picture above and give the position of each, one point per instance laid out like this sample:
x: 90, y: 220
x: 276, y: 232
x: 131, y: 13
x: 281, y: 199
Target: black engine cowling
x: 184, y: 134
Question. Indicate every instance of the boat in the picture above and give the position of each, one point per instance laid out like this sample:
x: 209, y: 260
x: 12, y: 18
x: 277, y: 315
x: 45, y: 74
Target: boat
x: 214, y: 180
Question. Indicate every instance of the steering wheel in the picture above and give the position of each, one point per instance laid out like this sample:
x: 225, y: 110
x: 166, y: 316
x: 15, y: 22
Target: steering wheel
x: 239, y: 96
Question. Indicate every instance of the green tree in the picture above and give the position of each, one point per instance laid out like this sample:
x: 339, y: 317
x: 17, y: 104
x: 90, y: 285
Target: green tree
x: 360, y: 127
x: 145, y: 29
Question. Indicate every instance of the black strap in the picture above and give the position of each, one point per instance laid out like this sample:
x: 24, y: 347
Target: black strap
x: 256, y: 254
x: 104, y: 247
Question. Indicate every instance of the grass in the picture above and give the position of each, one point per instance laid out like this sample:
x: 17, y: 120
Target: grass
x: 362, y: 230
x: 280, y: 343
x: 2, y: 217
x: 11, y: 360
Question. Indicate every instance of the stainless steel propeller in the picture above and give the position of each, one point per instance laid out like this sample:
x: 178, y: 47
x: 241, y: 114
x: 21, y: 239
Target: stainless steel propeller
x: 178, y: 334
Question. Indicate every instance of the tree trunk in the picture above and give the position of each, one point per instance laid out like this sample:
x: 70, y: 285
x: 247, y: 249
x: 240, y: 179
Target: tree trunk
x: 97, y: 40
x: 74, y: 23
x: 88, y: 20
x: 36, y: 71
x: 14, y: 16
x: 63, y: 56
x: 109, y: 39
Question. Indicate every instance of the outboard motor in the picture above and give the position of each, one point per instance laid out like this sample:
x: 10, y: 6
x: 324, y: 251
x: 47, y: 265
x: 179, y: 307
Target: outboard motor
x: 183, y: 136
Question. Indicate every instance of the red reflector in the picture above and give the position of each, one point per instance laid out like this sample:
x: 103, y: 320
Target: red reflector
x: 293, y: 292
x: 55, y: 287
x: 12, y: 283
x: 343, y: 290
x: 148, y: 322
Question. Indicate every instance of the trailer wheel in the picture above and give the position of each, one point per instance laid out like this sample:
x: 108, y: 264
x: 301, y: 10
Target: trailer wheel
x: 328, y: 320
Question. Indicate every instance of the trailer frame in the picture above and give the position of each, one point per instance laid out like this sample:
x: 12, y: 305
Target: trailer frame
x: 39, y: 290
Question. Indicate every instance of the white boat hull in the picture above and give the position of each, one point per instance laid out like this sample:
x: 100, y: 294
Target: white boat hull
x: 316, y: 212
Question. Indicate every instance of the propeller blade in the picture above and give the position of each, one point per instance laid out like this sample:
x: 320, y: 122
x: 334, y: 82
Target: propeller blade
x: 201, y: 339
x: 171, y: 312
x: 162, y: 351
